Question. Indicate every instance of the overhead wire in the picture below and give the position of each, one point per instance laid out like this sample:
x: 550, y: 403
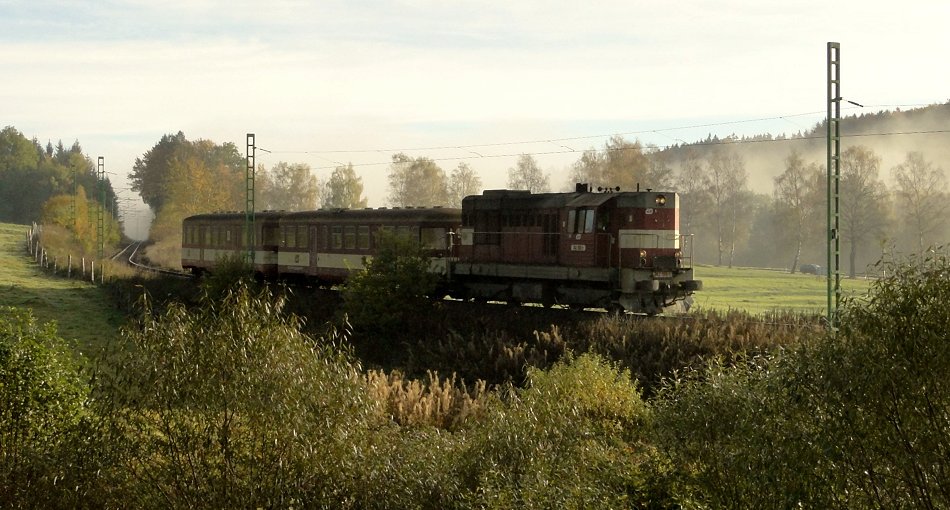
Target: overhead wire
x: 559, y: 142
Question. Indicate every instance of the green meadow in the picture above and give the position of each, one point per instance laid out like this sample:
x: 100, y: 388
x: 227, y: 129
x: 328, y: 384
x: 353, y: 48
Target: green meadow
x: 766, y: 290
x: 83, y: 312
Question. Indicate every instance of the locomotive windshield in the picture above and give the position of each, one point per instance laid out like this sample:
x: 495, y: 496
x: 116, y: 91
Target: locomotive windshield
x: 580, y: 221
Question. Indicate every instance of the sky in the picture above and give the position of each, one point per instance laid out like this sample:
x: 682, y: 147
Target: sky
x: 328, y: 82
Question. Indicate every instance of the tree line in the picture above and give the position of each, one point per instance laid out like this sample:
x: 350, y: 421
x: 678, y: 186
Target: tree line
x: 55, y: 185
x: 733, y: 225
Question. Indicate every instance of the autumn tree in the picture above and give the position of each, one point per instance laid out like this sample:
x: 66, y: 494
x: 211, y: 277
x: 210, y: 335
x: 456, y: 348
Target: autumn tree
x: 152, y: 174
x: 289, y: 187
x: 726, y: 180
x: 76, y: 213
x: 796, y: 208
x: 344, y: 189
x: 416, y: 182
x: 690, y: 183
x: 922, y: 196
x: 622, y: 163
x: 463, y: 181
x: 527, y: 175
x: 863, y: 200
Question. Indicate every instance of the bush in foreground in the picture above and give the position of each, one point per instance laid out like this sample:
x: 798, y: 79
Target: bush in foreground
x: 860, y: 419
x: 576, y: 437
x: 43, y: 416
x: 228, y: 405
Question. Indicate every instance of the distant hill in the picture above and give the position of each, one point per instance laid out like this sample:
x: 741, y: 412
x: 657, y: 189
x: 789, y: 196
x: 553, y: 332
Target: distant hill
x: 891, y: 134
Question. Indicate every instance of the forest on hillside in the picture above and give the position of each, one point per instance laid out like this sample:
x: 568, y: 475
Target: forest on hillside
x: 745, y: 201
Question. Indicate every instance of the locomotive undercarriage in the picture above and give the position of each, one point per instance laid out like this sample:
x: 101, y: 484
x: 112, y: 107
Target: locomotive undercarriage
x: 633, y: 290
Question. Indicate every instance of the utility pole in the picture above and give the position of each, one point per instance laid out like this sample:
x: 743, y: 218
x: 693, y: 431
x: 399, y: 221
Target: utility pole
x: 100, y: 178
x: 834, y: 180
x: 249, y: 205
x: 72, y: 206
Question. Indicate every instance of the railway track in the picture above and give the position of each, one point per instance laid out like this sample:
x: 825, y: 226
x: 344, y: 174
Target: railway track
x: 128, y: 256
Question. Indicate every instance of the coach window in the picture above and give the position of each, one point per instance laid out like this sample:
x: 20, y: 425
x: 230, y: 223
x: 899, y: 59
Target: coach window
x: 227, y: 236
x: 270, y: 235
x: 362, y: 241
x: 349, y: 237
x: 303, y: 240
x: 326, y: 237
x: 337, y: 237
x: 433, y: 238
x: 290, y: 236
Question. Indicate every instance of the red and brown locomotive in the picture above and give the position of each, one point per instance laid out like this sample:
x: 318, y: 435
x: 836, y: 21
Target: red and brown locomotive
x: 607, y: 249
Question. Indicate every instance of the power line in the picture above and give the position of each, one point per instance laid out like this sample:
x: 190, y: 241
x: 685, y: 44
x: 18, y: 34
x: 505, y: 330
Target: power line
x: 567, y: 150
x: 727, y: 141
x: 536, y: 141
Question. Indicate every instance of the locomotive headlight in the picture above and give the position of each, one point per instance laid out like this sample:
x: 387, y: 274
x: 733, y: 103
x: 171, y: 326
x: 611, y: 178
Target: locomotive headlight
x: 678, y: 254
x: 660, y: 199
x: 643, y: 254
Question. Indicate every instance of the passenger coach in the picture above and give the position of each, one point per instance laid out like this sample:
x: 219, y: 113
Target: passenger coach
x: 207, y: 238
x: 326, y: 245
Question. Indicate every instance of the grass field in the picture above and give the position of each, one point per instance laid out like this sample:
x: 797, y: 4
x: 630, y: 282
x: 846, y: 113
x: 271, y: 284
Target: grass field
x: 83, y: 312
x: 764, y: 290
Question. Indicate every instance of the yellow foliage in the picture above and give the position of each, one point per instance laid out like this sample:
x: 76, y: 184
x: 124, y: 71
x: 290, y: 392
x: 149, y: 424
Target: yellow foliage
x: 436, y: 402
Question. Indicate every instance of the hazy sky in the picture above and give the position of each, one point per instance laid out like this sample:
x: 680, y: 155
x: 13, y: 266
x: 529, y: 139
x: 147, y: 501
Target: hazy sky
x: 369, y: 76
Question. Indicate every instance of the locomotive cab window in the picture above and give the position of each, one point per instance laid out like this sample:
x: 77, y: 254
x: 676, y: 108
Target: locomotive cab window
x: 589, y: 221
x: 580, y: 221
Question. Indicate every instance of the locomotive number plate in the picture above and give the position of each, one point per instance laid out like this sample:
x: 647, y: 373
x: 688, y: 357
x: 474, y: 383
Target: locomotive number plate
x: 662, y: 274
x: 578, y: 247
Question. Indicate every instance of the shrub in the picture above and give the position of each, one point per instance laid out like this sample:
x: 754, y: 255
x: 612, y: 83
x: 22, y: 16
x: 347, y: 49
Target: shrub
x: 738, y: 440
x: 881, y: 388
x: 857, y: 419
x: 575, y: 438
x: 229, y: 272
x: 385, y: 299
x: 229, y: 405
x: 42, y: 416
